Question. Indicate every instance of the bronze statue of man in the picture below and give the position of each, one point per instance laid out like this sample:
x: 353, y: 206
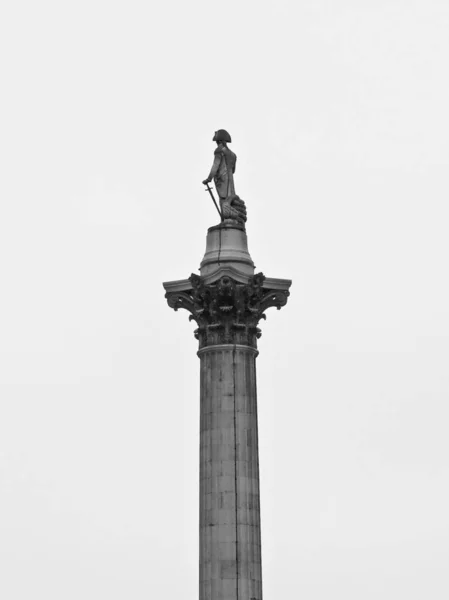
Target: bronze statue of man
x: 223, y: 168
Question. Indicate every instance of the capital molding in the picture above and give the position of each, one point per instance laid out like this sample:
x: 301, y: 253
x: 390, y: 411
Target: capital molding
x: 227, y: 306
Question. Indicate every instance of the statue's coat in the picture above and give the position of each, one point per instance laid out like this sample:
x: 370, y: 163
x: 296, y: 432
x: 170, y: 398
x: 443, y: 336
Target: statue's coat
x: 223, y: 170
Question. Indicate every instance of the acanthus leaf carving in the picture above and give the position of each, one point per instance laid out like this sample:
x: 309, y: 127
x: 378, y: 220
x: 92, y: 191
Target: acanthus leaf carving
x: 227, y: 311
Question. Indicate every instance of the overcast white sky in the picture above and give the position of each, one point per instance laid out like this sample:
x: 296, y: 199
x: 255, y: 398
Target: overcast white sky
x: 339, y: 117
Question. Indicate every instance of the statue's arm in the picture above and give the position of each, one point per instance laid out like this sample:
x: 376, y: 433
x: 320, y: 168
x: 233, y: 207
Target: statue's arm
x: 215, y: 167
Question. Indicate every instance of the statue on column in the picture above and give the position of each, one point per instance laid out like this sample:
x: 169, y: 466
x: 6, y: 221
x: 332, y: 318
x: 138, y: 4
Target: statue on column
x: 222, y: 172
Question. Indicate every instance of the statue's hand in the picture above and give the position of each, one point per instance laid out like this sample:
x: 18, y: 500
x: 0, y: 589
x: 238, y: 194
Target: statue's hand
x: 206, y: 181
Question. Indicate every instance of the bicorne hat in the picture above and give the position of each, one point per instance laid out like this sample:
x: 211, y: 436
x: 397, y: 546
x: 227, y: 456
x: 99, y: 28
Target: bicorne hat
x: 222, y: 136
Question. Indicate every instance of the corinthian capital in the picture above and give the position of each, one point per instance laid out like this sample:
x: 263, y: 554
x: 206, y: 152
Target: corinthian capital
x: 227, y: 309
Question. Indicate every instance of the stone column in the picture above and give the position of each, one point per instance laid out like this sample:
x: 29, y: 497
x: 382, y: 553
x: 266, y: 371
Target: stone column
x: 227, y: 301
x: 230, y: 545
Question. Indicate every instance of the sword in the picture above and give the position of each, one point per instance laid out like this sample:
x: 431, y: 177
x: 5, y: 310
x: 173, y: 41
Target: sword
x: 213, y: 199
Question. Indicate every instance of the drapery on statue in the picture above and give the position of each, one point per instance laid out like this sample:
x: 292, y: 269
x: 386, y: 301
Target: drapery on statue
x: 222, y: 172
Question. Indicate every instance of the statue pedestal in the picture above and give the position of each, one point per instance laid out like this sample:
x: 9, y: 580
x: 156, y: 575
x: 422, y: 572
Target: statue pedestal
x: 227, y: 301
x: 227, y: 246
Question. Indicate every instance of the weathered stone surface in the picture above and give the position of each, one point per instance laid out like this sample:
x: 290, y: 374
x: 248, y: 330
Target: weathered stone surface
x: 230, y: 546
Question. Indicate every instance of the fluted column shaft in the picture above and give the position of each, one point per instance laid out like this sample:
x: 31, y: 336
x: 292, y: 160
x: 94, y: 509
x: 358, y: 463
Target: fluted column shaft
x: 230, y: 541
